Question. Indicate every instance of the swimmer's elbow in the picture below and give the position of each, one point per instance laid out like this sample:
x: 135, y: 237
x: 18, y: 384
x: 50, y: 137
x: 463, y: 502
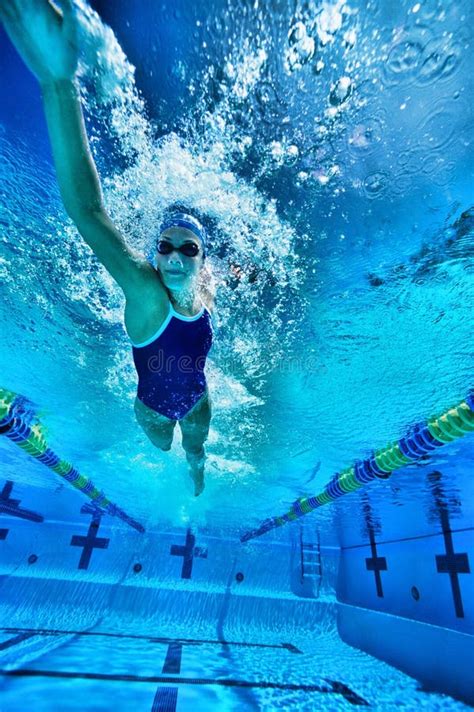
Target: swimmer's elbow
x: 81, y: 212
x: 109, y: 246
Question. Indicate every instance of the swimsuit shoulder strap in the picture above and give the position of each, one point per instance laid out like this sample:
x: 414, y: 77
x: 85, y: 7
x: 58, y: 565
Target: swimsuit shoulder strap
x: 186, y: 318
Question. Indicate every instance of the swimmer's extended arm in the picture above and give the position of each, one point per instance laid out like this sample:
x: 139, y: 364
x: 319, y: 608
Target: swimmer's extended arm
x: 46, y: 38
x: 79, y: 184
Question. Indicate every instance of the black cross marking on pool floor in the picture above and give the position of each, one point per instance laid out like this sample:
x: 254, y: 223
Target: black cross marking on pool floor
x: 11, y: 506
x: 3, y: 534
x: 450, y: 562
x: 89, y: 542
x: 188, y: 552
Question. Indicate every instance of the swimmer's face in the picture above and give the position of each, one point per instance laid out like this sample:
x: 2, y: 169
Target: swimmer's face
x: 178, y: 270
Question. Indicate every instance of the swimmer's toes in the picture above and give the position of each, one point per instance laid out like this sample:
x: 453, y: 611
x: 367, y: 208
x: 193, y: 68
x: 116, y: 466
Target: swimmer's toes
x: 199, y: 488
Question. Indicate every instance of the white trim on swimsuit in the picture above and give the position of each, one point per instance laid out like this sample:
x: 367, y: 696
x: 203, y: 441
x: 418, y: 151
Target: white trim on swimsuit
x: 171, y: 313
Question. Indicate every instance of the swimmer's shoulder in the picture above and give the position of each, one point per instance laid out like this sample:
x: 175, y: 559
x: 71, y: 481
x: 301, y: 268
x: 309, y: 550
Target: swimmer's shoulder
x: 147, y: 284
x: 147, y: 306
x: 207, y: 290
x: 147, y: 293
x: 208, y: 300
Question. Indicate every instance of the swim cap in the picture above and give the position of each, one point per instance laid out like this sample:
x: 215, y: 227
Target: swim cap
x: 187, y: 221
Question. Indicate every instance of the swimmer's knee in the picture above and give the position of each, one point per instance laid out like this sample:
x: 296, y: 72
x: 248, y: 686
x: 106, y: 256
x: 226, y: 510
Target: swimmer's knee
x: 194, y: 449
x: 194, y: 445
x: 161, y: 440
x: 162, y: 443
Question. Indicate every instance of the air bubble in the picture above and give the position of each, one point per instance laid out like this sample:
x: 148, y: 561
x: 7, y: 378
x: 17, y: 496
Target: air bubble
x: 410, y: 160
x: 302, y: 47
x: 268, y: 103
x: 265, y: 94
x: 404, y: 58
x: 438, y: 128
x: 340, y: 91
x: 366, y: 135
x: 406, y: 54
x: 440, y: 61
x: 375, y: 183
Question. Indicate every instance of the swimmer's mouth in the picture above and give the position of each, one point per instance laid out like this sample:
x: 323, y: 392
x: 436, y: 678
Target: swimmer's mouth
x: 171, y: 271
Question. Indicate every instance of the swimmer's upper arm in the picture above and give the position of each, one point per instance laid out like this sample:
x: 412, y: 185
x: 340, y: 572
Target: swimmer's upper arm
x: 208, y: 301
x: 127, y: 267
x: 207, y: 289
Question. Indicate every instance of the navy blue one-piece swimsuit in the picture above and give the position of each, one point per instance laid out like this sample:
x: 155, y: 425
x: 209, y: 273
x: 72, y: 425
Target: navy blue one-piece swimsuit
x: 170, y: 365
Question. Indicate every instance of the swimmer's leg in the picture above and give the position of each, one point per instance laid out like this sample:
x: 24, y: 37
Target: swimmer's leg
x: 195, y: 429
x: 158, y: 427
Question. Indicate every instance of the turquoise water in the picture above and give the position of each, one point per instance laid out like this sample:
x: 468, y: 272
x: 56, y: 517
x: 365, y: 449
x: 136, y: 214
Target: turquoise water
x: 328, y: 147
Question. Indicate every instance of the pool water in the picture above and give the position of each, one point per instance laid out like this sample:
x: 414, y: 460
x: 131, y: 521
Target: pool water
x: 327, y: 147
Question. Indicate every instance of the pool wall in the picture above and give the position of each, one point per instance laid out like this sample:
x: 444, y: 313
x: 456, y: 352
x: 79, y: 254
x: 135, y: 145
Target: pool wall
x: 55, y: 574
x: 405, y: 588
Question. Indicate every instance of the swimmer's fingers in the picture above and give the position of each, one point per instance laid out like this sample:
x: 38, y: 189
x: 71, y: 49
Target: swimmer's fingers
x: 68, y: 13
x: 67, y: 6
x: 44, y: 35
x: 69, y: 21
x: 15, y: 10
x: 9, y: 11
x: 22, y: 12
x: 12, y: 18
x: 17, y: 14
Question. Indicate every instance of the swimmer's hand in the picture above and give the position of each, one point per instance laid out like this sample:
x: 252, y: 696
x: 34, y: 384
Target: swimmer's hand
x: 45, y: 37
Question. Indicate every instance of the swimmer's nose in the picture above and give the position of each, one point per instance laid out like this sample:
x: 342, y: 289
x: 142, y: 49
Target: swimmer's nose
x: 174, y: 259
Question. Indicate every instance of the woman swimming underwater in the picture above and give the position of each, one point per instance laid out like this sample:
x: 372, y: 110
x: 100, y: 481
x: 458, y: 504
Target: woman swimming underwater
x: 165, y: 318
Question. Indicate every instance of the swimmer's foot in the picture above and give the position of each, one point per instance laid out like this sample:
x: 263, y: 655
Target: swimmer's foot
x: 196, y: 465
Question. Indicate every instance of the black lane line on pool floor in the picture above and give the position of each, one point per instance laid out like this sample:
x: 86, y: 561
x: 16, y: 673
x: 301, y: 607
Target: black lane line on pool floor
x: 337, y: 688
x: 291, y: 648
x: 11, y: 642
x: 166, y: 698
x: 172, y: 664
x: 151, y: 639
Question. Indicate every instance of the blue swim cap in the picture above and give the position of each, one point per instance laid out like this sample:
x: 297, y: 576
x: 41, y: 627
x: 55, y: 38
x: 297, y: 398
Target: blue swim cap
x: 187, y: 221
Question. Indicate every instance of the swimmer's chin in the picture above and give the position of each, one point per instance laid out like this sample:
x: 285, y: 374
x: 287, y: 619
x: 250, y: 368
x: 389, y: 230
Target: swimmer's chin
x: 178, y: 277
x: 176, y: 281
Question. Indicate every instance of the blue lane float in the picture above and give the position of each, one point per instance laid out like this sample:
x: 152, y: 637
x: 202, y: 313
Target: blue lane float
x: 420, y: 440
x: 19, y: 424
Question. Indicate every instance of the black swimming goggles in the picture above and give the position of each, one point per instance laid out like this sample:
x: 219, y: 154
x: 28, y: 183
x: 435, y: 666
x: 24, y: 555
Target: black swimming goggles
x: 189, y: 249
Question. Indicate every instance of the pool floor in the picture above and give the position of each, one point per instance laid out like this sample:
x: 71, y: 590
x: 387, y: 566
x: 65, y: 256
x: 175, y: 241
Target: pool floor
x: 97, y: 670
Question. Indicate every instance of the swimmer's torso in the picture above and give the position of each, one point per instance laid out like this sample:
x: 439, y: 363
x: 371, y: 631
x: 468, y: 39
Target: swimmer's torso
x: 170, y: 364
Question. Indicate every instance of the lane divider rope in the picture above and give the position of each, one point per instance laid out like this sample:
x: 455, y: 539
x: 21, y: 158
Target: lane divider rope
x: 20, y: 425
x: 420, y: 440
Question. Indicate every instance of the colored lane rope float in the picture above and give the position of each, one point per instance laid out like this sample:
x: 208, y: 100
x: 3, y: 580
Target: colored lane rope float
x: 419, y: 441
x: 16, y: 423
